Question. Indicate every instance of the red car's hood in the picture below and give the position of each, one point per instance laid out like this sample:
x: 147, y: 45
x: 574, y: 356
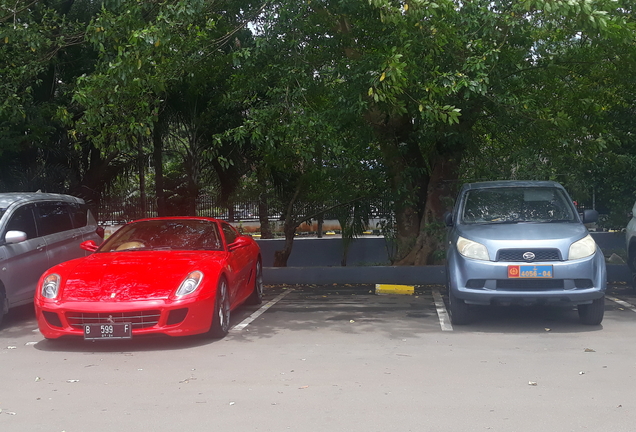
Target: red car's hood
x: 129, y: 276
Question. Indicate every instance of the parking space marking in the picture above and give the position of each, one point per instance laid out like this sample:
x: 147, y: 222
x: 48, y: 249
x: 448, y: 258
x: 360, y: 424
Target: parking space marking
x: 247, y: 321
x: 623, y: 303
x: 442, y: 313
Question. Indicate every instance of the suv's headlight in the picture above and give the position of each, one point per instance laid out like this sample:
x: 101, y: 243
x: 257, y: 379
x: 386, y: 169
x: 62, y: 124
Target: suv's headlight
x: 471, y: 249
x: 51, y: 286
x: 190, y: 284
x: 582, y: 248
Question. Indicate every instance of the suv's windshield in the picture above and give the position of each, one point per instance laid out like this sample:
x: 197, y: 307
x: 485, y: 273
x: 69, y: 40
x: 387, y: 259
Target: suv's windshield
x: 516, y: 204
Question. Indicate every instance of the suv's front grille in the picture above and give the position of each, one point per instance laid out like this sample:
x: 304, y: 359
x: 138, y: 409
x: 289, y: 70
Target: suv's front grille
x: 516, y: 255
x: 138, y: 319
x: 530, y: 284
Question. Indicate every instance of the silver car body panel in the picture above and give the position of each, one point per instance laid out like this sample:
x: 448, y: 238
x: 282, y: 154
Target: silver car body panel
x: 22, y: 263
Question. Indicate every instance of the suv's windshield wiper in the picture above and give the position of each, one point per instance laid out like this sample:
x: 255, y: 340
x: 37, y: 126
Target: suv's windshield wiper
x: 499, y: 221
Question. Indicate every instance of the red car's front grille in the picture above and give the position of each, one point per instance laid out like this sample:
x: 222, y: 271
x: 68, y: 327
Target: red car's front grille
x: 138, y: 319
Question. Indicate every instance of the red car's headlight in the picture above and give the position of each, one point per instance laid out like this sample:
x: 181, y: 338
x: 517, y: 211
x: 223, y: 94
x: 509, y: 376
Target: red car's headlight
x: 190, y: 284
x: 51, y: 286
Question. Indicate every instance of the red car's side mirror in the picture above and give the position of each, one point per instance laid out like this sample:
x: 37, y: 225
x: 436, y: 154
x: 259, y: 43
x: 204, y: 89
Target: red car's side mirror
x: 89, y: 245
x: 240, y: 242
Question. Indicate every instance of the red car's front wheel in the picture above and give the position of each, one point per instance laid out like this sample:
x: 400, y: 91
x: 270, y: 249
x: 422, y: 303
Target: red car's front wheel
x: 256, y: 297
x: 221, y: 315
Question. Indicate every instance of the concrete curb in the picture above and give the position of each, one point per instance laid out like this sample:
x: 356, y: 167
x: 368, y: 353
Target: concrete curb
x: 354, y: 275
x: 407, y: 275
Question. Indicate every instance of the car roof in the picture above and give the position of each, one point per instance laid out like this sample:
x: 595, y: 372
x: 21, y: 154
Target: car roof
x: 511, y: 183
x: 9, y: 198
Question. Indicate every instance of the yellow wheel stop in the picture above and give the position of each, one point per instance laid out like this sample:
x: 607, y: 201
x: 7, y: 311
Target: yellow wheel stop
x: 394, y: 289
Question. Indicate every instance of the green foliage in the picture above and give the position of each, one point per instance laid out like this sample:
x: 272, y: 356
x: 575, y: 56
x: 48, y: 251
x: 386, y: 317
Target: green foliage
x: 325, y: 99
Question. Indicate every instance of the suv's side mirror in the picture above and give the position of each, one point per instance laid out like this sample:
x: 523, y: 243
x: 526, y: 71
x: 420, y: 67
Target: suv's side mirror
x: 448, y: 219
x: 590, y: 216
x: 15, y: 237
x: 89, y: 245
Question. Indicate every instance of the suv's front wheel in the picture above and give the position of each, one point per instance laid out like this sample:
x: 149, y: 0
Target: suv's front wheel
x: 459, y: 312
x: 592, y: 314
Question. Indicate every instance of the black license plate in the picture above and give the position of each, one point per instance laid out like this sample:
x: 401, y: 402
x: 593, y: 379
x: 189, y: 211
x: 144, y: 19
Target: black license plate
x: 108, y: 331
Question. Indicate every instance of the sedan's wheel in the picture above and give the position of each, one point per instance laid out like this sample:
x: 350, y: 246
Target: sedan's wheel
x: 256, y: 297
x: 592, y: 314
x: 3, y: 306
x: 459, y: 311
x: 632, y: 267
x: 221, y: 317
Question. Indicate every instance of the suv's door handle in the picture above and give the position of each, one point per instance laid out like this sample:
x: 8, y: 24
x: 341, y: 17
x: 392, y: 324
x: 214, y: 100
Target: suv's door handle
x: 40, y: 247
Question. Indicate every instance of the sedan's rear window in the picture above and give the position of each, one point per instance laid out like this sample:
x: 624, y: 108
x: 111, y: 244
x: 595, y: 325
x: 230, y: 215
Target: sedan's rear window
x: 177, y: 234
x: 517, y: 204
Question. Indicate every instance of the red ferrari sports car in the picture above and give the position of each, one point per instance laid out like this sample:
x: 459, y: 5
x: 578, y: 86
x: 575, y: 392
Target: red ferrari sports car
x: 177, y: 276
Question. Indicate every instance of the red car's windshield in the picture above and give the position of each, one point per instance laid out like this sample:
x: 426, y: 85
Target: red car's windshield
x: 174, y: 234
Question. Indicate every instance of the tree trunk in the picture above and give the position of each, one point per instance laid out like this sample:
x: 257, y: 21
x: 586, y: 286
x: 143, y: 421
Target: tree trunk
x: 321, y: 221
x: 439, y: 199
x: 289, y: 228
x: 158, y: 162
x: 142, y: 180
x: 408, y: 175
x: 281, y: 256
x: 263, y: 217
x: 263, y: 205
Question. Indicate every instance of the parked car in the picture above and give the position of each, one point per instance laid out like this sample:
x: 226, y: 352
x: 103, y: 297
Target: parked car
x: 522, y: 242
x: 176, y: 276
x: 631, y: 245
x: 38, y: 231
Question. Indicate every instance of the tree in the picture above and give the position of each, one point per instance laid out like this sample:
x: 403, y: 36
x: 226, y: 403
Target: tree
x: 579, y: 134
x: 434, y: 83
x: 311, y: 152
x: 42, y: 53
x: 160, y: 66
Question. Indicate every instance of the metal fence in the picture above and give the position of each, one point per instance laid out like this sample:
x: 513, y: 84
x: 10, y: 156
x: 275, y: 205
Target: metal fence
x: 117, y: 210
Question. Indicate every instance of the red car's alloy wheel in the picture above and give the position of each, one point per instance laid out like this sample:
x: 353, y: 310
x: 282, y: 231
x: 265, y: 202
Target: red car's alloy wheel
x: 221, y: 318
x: 256, y: 297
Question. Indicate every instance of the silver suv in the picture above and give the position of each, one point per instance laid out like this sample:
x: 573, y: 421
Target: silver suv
x: 522, y: 242
x: 38, y: 231
x: 631, y: 245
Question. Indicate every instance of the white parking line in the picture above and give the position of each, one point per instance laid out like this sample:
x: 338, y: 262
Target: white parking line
x: 444, y: 319
x: 629, y: 306
x: 247, y: 321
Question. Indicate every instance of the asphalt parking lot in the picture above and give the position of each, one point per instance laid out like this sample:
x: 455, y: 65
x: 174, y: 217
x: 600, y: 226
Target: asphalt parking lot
x: 316, y: 358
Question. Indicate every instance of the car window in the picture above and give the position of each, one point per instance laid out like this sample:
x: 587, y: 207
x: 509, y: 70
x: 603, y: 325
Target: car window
x: 22, y: 220
x: 178, y: 234
x: 229, y: 232
x: 53, y: 217
x: 79, y: 215
x: 516, y: 204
